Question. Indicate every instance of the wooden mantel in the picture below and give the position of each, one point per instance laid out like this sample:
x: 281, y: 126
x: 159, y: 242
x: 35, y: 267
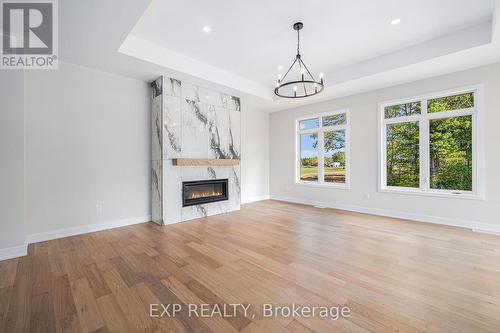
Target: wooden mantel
x: 203, y: 161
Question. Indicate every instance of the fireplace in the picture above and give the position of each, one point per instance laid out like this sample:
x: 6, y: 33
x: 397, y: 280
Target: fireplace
x: 204, y: 191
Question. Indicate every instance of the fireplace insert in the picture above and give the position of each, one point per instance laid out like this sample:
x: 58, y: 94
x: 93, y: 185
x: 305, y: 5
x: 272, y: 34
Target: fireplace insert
x: 204, y: 191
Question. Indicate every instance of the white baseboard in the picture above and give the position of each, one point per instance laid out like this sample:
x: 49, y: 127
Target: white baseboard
x: 475, y: 226
x: 60, y: 233
x: 13, y: 252
x: 486, y: 232
x: 256, y: 198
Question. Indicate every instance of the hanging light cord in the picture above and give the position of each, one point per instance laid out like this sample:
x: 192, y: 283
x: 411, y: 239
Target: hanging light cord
x: 298, y: 42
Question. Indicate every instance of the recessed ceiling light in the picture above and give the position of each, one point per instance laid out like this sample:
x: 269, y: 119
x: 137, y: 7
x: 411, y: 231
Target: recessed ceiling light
x: 206, y: 28
x: 396, y: 21
x: 280, y: 67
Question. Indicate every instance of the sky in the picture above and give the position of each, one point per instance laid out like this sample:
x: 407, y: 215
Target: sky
x: 307, y: 149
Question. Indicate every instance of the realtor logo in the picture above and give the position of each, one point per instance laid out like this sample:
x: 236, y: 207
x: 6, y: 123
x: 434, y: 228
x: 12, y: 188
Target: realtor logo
x: 29, y: 34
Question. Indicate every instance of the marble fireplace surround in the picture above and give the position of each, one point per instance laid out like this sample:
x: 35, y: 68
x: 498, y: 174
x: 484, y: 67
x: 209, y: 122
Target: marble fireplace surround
x: 192, y: 122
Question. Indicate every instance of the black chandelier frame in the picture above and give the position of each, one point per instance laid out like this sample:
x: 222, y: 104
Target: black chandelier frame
x: 310, y: 80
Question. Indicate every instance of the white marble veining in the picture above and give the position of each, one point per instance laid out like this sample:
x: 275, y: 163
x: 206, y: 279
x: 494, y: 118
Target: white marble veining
x: 234, y: 187
x: 209, y: 96
x: 156, y: 121
x: 234, y: 134
x: 156, y: 151
x: 172, y: 196
x: 156, y: 191
x: 172, y: 127
x: 233, y: 103
x: 172, y: 87
x: 224, y: 100
x: 194, y: 129
x: 195, y: 173
x: 218, y: 129
x: 190, y: 91
x: 189, y: 121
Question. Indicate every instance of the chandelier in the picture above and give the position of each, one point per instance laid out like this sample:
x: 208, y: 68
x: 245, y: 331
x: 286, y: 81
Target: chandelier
x: 307, y: 85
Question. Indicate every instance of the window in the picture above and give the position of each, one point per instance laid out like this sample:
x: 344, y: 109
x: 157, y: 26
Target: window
x: 430, y: 144
x: 323, y: 149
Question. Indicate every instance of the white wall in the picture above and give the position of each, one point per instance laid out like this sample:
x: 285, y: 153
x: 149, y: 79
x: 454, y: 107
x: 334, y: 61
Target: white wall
x: 75, y: 149
x: 87, y: 148
x: 254, y: 155
x: 482, y: 214
x: 11, y: 162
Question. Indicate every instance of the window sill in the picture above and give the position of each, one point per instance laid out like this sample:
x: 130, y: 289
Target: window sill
x: 324, y: 185
x: 448, y: 195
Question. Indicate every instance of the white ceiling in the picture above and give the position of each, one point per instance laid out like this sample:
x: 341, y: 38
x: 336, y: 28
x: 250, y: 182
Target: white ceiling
x: 251, y: 38
x: 352, y: 41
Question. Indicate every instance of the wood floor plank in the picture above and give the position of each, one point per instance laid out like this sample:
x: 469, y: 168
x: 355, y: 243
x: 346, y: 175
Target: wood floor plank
x: 239, y: 322
x: 5, y: 295
x: 9, y: 270
x: 42, y: 275
x: 165, y: 323
x: 86, y: 306
x: 128, y: 275
x: 137, y: 315
x: 166, y: 296
x: 72, y: 266
x: 64, y: 305
x: 216, y: 324
x: 394, y: 275
x: 56, y: 264
x: 41, y: 248
x: 42, y: 313
x: 96, y: 281
x: 70, y: 324
x: 296, y: 327
x: 253, y: 328
x: 115, y: 319
x: 19, y: 311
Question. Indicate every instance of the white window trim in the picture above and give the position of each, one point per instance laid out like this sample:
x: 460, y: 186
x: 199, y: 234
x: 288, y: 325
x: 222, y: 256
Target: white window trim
x: 321, y: 129
x: 477, y: 113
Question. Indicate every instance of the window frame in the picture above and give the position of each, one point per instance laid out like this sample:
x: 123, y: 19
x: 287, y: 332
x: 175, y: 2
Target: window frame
x: 320, y: 130
x: 423, y: 119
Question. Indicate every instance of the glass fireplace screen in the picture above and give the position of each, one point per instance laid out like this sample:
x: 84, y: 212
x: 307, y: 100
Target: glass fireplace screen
x: 204, y: 191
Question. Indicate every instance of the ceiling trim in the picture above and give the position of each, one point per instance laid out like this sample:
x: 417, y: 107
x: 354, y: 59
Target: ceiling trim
x: 452, y: 63
x: 465, y: 39
x: 157, y: 54
x: 469, y: 38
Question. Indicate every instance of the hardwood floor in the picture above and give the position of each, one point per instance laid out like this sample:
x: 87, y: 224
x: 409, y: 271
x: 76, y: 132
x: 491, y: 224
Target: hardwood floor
x: 394, y: 275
